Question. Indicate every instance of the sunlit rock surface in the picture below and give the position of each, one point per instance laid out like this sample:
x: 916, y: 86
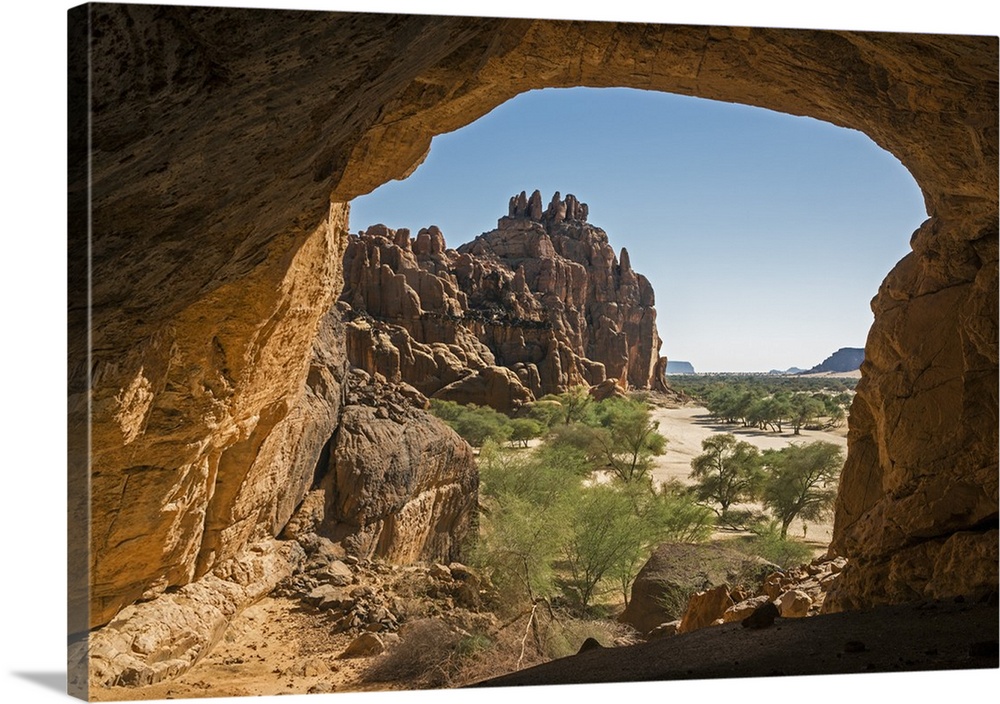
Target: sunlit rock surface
x: 536, y: 306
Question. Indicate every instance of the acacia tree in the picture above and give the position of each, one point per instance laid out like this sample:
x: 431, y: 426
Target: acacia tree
x: 615, y: 527
x: 802, y: 481
x: 729, y: 471
x: 575, y: 402
x: 523, y: 430
x: 525, y: 508
x: 628, y: 439
x: 804, y: 409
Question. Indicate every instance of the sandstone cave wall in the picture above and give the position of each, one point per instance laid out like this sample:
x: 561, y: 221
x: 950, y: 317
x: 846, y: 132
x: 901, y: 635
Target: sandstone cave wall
x: 226, y: 147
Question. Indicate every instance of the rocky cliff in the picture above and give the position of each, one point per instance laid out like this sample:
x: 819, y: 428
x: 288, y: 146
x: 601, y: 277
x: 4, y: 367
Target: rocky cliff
x: 533, y: 307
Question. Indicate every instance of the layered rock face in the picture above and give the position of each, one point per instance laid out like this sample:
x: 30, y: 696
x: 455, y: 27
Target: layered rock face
x: 394, y: 481
x: 213, y: 155
x: 534, y: 307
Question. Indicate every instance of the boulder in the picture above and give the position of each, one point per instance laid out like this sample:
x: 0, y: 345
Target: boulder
x: 364, y: 646
x: 705, y: 609
x: 794, y: 603
x: 661, y: 590
x: 742, y: 609
x: 400, y: 484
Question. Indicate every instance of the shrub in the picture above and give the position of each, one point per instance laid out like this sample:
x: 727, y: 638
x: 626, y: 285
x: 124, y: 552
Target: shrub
x: 476, y: 424
x: 423, y: 657
x: 769, y: 543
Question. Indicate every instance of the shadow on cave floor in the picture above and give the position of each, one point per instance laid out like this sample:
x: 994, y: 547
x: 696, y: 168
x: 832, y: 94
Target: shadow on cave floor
x: 913, y: 637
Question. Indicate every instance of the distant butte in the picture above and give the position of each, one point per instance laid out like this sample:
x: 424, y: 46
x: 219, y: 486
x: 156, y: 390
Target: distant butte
x: 538, y: 305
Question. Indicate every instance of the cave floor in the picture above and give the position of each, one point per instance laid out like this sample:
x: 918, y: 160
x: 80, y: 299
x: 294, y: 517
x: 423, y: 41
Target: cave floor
x: 913, y: 637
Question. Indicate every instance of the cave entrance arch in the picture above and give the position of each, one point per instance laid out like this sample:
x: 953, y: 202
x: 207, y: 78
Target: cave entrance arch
x: 207, y: 284
x: 931, y: 353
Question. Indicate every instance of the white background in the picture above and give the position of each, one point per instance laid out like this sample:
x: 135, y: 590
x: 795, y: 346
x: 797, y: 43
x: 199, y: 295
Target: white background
x: 32, y: 254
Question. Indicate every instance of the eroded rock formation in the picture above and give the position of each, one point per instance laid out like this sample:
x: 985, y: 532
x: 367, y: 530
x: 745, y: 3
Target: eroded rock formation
x: 534, y: 307
x: 397, y: 482
x: 213, y: 155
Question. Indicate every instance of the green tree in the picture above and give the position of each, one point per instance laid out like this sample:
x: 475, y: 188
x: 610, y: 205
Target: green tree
x: 476, y: 424
x: 606, y: 531
x: 804, y: 409
x: 526, y: 509
x: 729, y: 471
x: 575, y: 403
x: 615, y: 528
x: 524, y: 429
x: 802, y: 481
x: 627, y: 439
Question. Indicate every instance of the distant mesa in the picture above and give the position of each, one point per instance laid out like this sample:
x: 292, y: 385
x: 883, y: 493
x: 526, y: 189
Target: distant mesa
x: 789, y: 371
x: 679, y: 367
x: 846, y: 359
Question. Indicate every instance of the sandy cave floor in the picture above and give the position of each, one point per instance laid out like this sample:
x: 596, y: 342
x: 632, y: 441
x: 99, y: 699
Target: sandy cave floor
x: 272, y: 647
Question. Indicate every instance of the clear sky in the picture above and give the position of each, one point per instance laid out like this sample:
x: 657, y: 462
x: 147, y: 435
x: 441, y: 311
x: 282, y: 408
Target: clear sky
x: 765, y: 235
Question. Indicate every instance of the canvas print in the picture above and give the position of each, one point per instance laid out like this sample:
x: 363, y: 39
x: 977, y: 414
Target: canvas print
x: 422, y: 352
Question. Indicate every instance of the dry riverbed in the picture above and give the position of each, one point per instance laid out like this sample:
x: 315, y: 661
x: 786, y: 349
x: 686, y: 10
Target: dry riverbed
x: 685, y: 427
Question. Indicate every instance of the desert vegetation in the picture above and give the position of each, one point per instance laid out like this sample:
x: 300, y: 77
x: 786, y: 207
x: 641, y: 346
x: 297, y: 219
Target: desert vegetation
x: 570, y: 513
x: 771, y: 402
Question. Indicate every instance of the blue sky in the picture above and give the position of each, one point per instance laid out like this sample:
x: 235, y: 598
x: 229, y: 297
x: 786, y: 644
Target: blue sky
x: 765, y: 235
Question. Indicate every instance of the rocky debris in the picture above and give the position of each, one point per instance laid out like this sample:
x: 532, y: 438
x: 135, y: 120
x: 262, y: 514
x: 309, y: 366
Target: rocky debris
x: 536, y: 306
x: 762, y: 616
x: 372, y: 596
x: 743, y: 607
x: 794, y: 603
x: 664, y: 629
x: 705, y: 608
x: 754, y: 601
x: 158, y: 639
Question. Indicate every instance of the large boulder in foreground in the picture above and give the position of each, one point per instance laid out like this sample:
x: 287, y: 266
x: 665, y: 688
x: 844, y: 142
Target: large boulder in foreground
x: 397, y: 483
x: 674, y: 571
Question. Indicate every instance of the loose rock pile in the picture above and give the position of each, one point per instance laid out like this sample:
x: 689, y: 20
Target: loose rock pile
x: 372, y: 600
x: 794, y: 593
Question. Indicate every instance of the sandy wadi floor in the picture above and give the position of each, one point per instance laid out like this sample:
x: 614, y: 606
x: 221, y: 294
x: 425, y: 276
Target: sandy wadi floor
x: 687, y: 426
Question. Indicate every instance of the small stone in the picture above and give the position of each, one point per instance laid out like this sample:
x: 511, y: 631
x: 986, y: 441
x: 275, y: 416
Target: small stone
x: 664, y: 629
x: 762, y: 616
x: 364, y: 646
x: 794, y: 603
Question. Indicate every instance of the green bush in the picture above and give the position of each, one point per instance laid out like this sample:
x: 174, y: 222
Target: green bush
x: 769, y: 544
x: 476, y: 424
